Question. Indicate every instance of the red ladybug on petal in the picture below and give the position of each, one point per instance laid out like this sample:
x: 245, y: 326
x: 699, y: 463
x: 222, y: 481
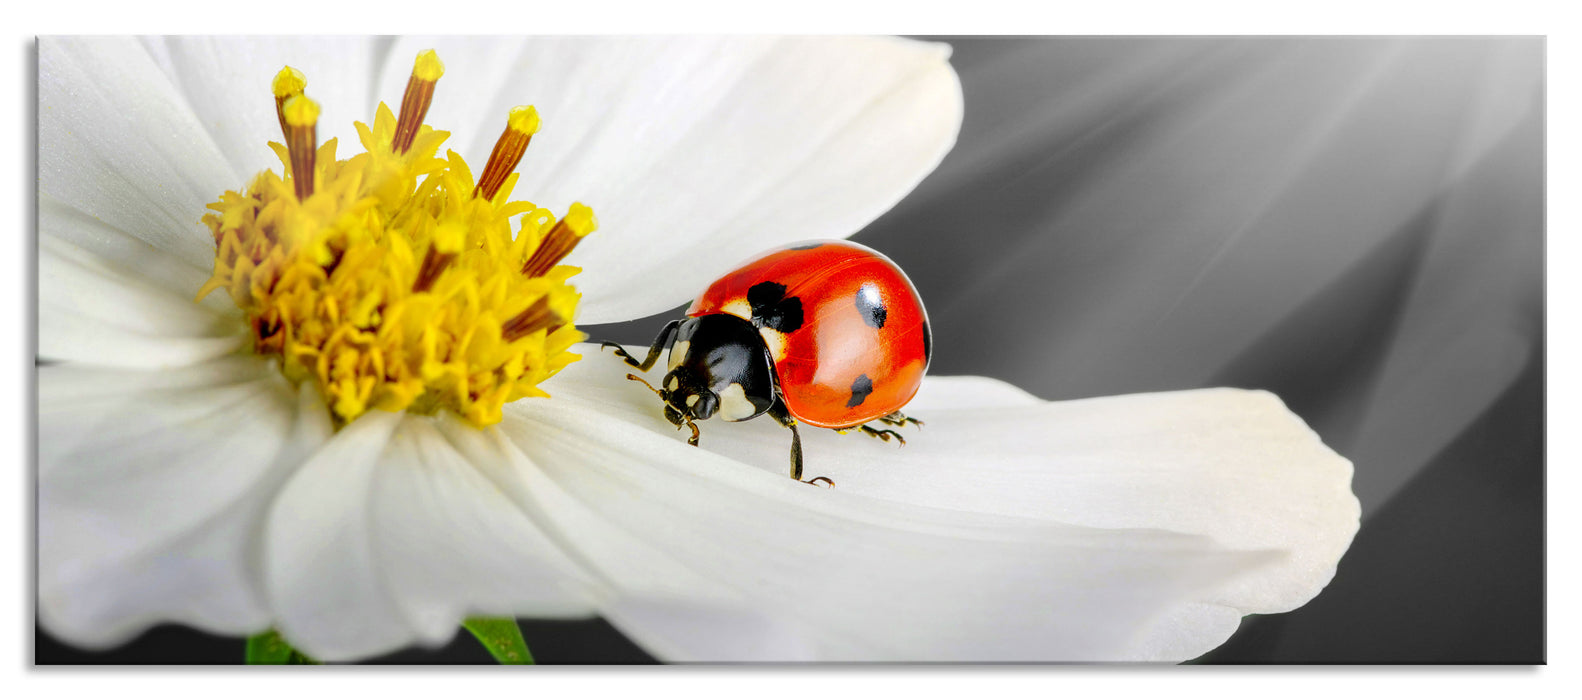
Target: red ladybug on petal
x: 828, y: 333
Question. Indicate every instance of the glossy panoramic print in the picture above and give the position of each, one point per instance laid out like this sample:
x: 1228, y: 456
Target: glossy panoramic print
x: 768, y: 349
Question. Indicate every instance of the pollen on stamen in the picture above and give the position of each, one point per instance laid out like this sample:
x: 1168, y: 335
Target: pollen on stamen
x: 288, y: 83
x: 391, y: 280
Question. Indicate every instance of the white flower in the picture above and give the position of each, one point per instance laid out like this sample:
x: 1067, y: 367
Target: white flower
x: 183, y: 478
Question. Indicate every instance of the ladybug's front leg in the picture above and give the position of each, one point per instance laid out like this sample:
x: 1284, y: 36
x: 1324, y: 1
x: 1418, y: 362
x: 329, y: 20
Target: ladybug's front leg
x: 679, y: 419
x: 782, y: 415
x: 660, y: 343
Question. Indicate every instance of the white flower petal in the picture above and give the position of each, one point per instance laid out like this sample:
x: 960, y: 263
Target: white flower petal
x: 90, y: 311
x: 1231, y: 465
x: 122, y: 144
x: 670, y: 589
x: 87, y: 395
x: 321, y: 571
x: 451, y: 544
x: 152, y: 487
x: 227, y: 84
x: 60, y: 221
x: 710, y: 632
x: 389, y: 536
x: 697, y: 152
x: 962, y: 393
x: 1187, y: 631
x: 859, y: 578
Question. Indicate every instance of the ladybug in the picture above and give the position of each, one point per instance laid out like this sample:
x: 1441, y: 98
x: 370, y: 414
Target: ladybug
x: 827, y: 333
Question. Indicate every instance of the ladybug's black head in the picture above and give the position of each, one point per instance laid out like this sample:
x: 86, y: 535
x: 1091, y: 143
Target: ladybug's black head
x: 718, y: 365
x: 686, y: 393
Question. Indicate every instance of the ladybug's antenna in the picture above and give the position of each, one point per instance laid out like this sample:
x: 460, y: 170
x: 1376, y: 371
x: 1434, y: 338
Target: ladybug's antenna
x: 636, y: 378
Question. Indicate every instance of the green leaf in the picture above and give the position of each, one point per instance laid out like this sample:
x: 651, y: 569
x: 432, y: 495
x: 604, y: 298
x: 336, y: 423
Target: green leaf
x: 271, y: 649
x: 501, y: 637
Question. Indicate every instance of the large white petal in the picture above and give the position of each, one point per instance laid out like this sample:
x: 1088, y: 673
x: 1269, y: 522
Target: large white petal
x: 152, y: 487
x: 60, y: 221
x: 697, y: 152
x: 1231, y: 465
x: 851, y: 576
x: 638, y: 586
x: 97, y: 312
x: 390, y: 536
x: 119, y: 142
x: 686, y: 629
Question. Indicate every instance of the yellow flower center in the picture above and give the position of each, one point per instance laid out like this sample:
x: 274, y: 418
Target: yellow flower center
x: 391, y: 279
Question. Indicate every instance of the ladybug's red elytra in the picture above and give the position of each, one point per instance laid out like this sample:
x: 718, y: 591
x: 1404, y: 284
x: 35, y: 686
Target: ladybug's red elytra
x: 829, y: 333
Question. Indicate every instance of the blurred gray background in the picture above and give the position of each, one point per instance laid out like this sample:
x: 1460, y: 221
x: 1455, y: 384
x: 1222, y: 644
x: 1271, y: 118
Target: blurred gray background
x: 1356, y: 224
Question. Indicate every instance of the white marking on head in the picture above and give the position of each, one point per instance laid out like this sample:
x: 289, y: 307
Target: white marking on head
x: 692, y: 400
x: 678, y: 352
x: 673, y: 384
x: 734, y: 405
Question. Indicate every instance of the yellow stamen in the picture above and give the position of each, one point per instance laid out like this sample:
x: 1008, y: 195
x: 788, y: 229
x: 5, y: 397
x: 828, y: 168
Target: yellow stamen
x: 390, y: 280
x: 301, y: 117
x: 519, y: 129
x: 565, y: 236
x: 426, y: 71
x: 288, y: 83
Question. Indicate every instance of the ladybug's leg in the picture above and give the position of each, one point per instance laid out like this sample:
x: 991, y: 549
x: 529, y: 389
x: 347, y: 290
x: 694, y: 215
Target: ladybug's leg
x: 782, y: 415
x: 660, y: 343
x: 677, y: 418
x: 884, y: 435
x: 900, y: 419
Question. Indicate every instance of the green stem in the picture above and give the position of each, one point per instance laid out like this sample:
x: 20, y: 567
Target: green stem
x: 270, y: 649
x: 501, y: 637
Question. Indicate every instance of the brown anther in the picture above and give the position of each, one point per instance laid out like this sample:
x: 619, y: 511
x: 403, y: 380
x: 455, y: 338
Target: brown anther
x: 556, y: 246
x: 508, y: 150
x: 419, y: 95
x: 536, y: 316
x: 301, y: 124
x: 434, y: 263
x: 561, y: 239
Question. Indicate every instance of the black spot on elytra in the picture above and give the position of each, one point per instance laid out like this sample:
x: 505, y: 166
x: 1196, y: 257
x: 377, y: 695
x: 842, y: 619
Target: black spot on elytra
x: 861, y: 387
x: 871, y: 306
x: 928, y: 343
x: 772, y: 308
x: 806, y: 246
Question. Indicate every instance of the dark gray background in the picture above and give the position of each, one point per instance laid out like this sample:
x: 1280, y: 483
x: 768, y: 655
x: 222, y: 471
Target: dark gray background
x: 1354, y: 224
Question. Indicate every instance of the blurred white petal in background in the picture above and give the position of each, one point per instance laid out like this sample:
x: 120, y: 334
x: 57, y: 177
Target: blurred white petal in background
x: 1354, y: 223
